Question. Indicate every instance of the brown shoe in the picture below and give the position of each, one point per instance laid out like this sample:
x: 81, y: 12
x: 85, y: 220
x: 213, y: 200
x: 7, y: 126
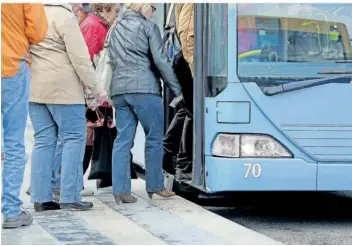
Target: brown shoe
x: 163, y: 193
x: 124, y: 199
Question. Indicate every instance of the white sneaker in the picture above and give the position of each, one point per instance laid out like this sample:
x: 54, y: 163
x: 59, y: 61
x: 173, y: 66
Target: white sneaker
x: 87, y: 192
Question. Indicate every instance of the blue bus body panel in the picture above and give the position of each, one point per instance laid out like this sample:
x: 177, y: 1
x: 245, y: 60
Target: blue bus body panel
x: 334, y: 177
x: 225, y: 174
x: 315, y: 128
x: 228, y: 174
x: 318, y: 120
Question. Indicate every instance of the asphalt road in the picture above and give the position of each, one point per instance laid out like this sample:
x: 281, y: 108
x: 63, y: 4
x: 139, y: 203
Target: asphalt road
x: 292, y: 218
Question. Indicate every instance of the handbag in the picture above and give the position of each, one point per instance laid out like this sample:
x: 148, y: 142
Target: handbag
x: 104, y: 137
x: 91, y: 126
x: 104, y: 67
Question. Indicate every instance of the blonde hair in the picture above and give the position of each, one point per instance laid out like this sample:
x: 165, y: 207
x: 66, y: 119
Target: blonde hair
x: 139, y: 7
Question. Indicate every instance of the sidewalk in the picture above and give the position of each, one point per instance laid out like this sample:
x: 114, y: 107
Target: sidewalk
x: 171, y: 221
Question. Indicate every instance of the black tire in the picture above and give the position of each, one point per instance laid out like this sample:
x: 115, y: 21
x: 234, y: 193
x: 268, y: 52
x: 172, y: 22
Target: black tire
x: 186, y: 191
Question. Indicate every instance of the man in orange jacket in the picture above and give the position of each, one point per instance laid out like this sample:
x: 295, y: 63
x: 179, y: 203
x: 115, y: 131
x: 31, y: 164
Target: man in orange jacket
x: 22, y: 25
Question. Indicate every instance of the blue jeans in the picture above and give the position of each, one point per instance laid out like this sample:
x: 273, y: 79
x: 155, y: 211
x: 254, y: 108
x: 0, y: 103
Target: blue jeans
x: 148, y: 110
x: 56, y: 176
x: 14, y: 112
x: 52, y: 122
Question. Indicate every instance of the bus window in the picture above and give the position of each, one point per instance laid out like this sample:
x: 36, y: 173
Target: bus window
x: 314, y: 34
x: 216, y: 49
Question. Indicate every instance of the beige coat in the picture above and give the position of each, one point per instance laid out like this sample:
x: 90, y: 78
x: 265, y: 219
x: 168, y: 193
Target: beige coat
x: 61, y: 61
x: 184, y: 15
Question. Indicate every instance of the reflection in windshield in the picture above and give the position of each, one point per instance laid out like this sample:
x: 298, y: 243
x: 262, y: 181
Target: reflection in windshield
x: 294, y: 33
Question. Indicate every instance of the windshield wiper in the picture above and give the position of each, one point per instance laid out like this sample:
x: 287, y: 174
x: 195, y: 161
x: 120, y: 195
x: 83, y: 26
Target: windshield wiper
x: 344, y: 61
x: 299, y: 85
x: 336, y: 72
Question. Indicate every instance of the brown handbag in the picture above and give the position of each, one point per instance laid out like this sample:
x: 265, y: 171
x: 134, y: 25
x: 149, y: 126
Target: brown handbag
x: 91, y: 126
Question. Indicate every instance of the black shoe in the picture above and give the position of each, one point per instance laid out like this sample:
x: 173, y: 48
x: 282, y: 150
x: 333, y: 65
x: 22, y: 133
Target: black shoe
x: 77, y: 205
x: 40, y: 207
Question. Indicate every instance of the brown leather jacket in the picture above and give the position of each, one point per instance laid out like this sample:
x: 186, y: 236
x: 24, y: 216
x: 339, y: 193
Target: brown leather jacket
x: 184, y: 15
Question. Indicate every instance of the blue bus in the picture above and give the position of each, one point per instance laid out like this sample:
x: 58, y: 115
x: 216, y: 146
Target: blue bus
x: 272, y: 98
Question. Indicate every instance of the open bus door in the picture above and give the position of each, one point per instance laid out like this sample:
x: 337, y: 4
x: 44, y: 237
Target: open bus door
x: 210, y: 78
x: 198, y: 102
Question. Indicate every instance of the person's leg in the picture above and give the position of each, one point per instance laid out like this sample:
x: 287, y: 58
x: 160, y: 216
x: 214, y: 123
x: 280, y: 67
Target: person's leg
x: 45, y: 141
x: 56, y: 175
x: 86, y: 161
x: 184, y: 158
x: 87, y: 157
x: 172, y: 139
x: 14, y: 112
x: 126, y: 124
x: 149, y: 111
x: 56, y: 171
x: 92, y: 117
x: 72, y: 130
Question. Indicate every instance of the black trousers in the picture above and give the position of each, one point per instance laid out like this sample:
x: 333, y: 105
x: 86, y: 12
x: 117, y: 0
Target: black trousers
x: 172, y: 140
x: 184, y: 157
x: 178, y: 140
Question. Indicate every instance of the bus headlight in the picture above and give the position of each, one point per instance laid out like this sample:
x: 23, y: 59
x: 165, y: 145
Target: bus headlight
x: 248, y: 146
x: 262, y: 146
x: 226, y: 145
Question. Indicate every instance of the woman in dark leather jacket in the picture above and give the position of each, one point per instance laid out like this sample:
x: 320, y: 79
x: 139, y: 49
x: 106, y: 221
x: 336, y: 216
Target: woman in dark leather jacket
x: 139, y: 61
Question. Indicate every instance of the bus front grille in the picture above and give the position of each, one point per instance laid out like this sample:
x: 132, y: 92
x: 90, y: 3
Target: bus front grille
x: 322, y: 142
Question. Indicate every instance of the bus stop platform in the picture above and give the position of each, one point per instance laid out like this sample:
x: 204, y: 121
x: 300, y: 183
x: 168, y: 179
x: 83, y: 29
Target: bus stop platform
x: 165, y: 221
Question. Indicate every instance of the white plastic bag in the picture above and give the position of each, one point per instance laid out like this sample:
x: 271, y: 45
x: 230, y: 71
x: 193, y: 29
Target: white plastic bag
x: 104, y: 72
x: 104, y: 67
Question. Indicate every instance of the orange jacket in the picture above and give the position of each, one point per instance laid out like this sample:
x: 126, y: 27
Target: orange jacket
x: 22, y: 24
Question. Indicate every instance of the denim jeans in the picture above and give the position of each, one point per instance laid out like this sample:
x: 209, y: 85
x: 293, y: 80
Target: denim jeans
x: 56, y: 176
x: 14, y: 112
x: 148, y: 110
x: 52, y: 122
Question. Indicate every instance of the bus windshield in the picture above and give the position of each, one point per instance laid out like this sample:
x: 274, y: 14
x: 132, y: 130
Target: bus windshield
x: 293, y: 40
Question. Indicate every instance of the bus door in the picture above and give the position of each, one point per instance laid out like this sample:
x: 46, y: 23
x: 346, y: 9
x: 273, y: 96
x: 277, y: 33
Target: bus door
x: 211, y: 53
